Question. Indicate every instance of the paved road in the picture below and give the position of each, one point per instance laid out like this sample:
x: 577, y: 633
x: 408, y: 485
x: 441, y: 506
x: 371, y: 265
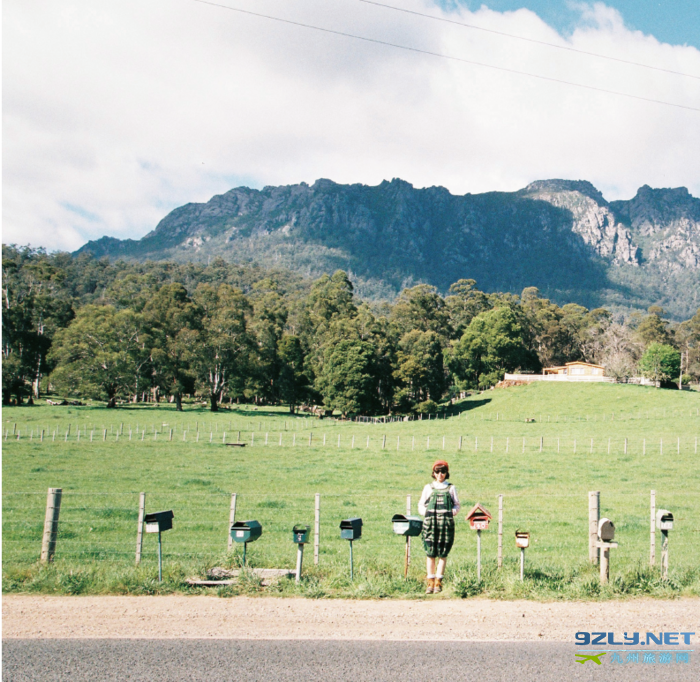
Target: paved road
x: 176, y: 660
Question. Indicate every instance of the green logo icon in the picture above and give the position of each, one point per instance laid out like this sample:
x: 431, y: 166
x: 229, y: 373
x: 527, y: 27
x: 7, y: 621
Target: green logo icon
x: 584, y: 659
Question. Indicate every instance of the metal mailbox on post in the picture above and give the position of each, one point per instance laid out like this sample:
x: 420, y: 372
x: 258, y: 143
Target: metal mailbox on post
x: 409, y: 527
x: 522, y: 541
x: 664, y: 522
x: 478, y: 517
x: 245, y: 532
x: 300, y: 535
x: 351, y: 529
x: 606, y: 535
x: 157, y: 522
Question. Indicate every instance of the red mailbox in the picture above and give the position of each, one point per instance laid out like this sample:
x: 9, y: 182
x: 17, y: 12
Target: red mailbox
x: 478, y: 517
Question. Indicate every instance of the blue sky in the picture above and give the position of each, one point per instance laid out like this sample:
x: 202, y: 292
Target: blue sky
x: 115, y: 113
x: 671, y: 21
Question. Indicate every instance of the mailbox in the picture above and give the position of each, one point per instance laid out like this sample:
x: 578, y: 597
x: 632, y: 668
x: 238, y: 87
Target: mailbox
x: 478, y: 517
x: 664, y: 519
x: 410, y: 526
x: 522, y: 539
x: 246, y: 531
x: 157, y: 522
x: 351, y: 529
x: 300, y: 534
x: 606, y: 530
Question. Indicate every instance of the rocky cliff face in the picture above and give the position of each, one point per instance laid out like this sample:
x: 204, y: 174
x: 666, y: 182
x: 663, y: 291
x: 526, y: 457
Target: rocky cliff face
x: 667, y: 223
x: 561, y: 236
x: 592, y: 218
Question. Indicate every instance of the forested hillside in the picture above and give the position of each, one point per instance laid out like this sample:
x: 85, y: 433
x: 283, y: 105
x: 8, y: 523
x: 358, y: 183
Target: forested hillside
x: 115, y: 331
x: 560, y: 236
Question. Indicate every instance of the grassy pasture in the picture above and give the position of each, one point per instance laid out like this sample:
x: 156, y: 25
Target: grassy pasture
x: 544, y: 491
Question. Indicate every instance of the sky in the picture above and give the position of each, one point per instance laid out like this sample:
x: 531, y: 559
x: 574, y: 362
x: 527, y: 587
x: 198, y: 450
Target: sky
x: 116, y: 113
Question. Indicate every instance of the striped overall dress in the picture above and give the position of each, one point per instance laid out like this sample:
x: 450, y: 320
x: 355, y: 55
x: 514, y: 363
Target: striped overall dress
x: 439, y: 524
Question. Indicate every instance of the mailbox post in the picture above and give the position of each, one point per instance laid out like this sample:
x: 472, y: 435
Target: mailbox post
x: 351, y: 529
x: 478, y: 517
x: 664, y: 522
x: 157, y: 522
x: 522, y: 540
x: 606, y: 535
x: 245, y: 532
x: 408, y: 526
x: 300, y: 535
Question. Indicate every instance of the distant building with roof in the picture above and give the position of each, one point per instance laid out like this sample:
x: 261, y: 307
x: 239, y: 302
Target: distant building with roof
x: 571, y: 371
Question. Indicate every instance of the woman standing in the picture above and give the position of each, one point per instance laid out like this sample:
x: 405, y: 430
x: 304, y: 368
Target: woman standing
x: 439, y: 505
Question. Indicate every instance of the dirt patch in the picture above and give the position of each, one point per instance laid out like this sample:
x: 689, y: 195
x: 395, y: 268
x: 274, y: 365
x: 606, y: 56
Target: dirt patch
x: 274, y: 618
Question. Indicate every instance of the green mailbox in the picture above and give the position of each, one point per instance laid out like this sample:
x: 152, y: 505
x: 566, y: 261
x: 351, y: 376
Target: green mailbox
x: 409, y: 526
x: 157, y: 522
x: 246, y: 531
x: 351, y: 529
x: 300, y: 534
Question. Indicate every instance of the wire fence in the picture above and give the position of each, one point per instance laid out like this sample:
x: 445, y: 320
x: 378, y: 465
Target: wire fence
x: 102, y: 526
x: 407, y: 443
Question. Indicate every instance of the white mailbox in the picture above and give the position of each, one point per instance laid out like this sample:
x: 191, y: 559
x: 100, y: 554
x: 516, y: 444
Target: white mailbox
x: 522, y: 539
x: 664, y: 519
x: 606, y: 530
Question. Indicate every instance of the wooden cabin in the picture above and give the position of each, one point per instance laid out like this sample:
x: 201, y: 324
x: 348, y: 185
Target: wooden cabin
x: 577, y: 368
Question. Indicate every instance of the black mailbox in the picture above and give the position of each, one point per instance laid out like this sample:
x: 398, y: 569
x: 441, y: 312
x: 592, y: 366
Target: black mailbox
x: 246, y: 531
x: 409, y: 526
x: 351, y: 529
x: 157, y: 522
x: 300, y: 534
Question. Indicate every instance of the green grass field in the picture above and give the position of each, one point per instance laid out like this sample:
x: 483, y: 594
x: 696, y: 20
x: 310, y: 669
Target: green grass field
x: 543, y: 468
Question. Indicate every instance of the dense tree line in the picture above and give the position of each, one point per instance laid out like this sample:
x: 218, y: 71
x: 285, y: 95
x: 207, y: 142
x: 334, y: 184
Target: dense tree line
x: 119, y: 331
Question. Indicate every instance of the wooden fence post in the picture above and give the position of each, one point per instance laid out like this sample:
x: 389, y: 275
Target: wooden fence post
x: 652, y: 543
x: 593, y: 518
x: 231, y: 518
x: 53, y: 509
x: 317, y: 526
x: 500, y: 531
x: 139, y: 528
x: 408, y: 539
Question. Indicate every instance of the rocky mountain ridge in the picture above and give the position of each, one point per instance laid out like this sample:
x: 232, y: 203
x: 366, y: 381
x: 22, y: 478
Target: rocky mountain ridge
x: 559, y: 235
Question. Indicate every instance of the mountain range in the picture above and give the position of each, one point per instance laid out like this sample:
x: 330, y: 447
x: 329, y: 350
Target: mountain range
x: 560, y: 236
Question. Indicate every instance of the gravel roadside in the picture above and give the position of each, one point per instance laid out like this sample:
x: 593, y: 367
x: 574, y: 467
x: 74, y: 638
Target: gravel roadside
x: 168, y: 617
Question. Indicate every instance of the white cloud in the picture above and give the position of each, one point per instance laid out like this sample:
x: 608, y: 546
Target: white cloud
x: 115, y: 113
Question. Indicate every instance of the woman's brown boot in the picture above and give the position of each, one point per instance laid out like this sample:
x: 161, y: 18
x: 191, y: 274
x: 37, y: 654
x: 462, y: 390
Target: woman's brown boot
x: 430, y: 586
x: 437, y: 585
